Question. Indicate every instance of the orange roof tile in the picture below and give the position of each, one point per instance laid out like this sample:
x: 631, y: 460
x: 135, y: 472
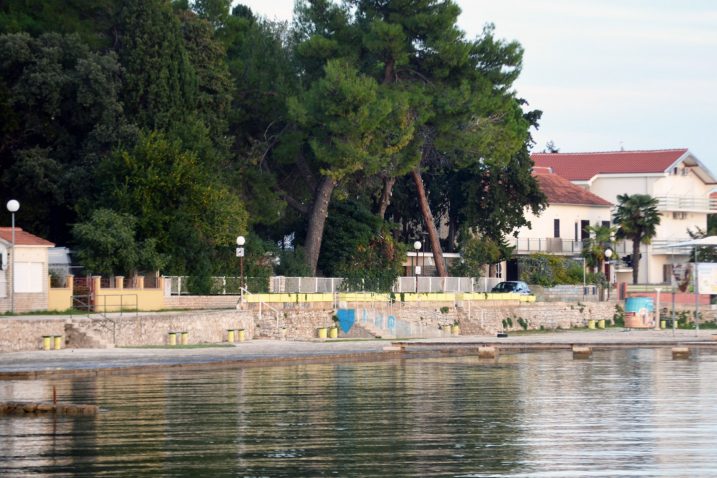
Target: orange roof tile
x: 584, y: 166
x: 23, y: 238
x: 559, y: 190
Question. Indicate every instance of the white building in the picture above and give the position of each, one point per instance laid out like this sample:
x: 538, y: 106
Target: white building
x: 563, y: 226
x: 24, y: 278
x: 680, y: 182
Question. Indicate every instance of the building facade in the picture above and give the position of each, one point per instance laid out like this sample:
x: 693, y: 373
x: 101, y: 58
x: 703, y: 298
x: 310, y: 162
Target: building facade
x: 679, y: 181
x: 23, y: 271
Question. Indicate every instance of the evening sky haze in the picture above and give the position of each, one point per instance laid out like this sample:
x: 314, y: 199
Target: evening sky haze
x: 607, y: 74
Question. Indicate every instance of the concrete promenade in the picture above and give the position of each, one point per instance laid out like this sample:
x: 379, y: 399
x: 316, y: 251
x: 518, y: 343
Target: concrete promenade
x: 67, y: 362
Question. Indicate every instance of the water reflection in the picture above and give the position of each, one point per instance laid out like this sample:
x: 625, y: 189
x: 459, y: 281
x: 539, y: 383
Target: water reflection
x: 622, y: 413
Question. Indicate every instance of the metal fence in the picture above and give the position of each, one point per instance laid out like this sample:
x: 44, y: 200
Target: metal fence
x: 444, y: 284
x: 182, y: 285
x: 307, y: 285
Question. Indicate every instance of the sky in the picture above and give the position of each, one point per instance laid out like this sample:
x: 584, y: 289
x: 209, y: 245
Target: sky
x: 607, y: 74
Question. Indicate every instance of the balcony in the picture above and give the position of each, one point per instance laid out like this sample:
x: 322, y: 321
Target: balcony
x: 554, y: 245
x: 687, y: 204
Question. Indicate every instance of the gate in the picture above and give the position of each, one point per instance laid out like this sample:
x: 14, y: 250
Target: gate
x: 83, y: 295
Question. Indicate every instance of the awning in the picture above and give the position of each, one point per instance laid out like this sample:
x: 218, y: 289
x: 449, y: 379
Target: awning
x: 704, y: 241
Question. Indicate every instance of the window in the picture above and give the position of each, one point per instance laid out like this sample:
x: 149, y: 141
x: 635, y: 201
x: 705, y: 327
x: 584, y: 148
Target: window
x: 584, y: 230
x: 606, y: 224
x: 28, y: 277
x: 556, y: 227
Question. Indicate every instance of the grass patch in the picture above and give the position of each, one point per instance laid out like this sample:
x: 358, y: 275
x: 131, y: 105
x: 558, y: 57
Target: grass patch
x: 45, y: 312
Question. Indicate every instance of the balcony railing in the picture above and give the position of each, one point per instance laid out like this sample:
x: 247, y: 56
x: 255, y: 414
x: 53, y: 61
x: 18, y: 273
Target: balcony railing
x: 686, y: 203
x: 660, y: 246
x: 554, y: 245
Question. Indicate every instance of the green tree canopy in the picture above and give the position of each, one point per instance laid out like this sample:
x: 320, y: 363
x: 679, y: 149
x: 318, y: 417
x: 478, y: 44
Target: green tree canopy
x: 60, y: 114
x: 107, y: 244
x: 176, y: 201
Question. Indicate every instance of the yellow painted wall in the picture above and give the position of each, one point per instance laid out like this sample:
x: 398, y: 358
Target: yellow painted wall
x: 113, y: 300
x: 59, y: 298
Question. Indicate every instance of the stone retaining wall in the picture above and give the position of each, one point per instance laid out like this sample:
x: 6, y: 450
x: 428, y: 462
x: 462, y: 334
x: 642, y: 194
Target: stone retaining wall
x: 477, y: 318
x: 300, y: 321
x: 202, y: 326
x: 18, y: 334
x: 202, y: 302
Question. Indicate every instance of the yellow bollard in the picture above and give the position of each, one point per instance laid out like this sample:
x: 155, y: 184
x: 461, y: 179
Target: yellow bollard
x: 333, y: 332
x: 46, y: 342
x: 591, y: 324
x: 172, y: 338
x: 230, y: 335
x: 58, y: 342
x: 185, y: 338
x: 242, y: 335
x: 321, y: 331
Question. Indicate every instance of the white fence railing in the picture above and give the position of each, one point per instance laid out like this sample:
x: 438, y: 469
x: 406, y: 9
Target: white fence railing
x: 180, y: 285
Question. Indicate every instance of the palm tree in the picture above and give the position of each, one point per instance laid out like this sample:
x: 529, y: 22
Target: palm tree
x: 636, y: 218
x: 594, y: 248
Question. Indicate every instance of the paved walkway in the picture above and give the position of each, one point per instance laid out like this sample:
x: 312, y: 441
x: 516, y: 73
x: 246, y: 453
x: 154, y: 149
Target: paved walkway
x: 265, y: 352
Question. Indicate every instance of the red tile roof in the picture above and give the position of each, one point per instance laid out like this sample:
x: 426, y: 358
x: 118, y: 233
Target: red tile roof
x: 584, y: 166
x: 559, y: 190
x: 23, y: 238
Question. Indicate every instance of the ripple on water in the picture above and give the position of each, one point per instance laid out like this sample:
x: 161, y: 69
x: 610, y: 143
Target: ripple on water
x: 631, y: 413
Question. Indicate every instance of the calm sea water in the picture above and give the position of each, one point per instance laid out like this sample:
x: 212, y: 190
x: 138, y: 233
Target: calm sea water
x: 633, y: 413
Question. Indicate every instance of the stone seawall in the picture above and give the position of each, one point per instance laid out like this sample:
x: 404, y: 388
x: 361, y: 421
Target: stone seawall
x: 476, y: 318
x: 154, y: 329
x: 18, y: 334
x: 299, y: 322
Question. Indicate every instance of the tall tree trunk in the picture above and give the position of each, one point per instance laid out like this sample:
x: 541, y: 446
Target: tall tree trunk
x: 430, y: 226
x: 317, y: 221
x: 388, y: 183
x: 452, y: 233
x: 635, y: 260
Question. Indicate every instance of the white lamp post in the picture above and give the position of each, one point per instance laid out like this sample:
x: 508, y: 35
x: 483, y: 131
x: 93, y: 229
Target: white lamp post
x: 608, y: 255
x: 13, y: 206
x: 240, y: 253
x: 417, y: 247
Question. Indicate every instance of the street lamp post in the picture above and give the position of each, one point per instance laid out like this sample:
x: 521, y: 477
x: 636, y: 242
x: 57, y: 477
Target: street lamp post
x: 608, y: 255
x: 13, y: 206
x: 240, y: 254
x: 417, y: 247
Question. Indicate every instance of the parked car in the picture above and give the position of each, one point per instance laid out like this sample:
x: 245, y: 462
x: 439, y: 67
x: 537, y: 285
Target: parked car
x: 515, y: 286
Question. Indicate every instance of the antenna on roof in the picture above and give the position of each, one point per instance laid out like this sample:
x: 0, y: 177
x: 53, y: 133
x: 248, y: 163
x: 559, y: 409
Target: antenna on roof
x: 622, y: 147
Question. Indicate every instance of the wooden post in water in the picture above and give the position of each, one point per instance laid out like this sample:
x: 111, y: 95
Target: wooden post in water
x: 580, y: 352
x: 487, y: 352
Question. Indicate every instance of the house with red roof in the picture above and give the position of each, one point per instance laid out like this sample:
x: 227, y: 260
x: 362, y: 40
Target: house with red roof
x: 679, y: 181
x: 561, y: 228
x: 24, y: 280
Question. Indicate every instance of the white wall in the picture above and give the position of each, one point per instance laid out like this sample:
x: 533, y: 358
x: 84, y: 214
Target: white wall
x: 671, y: 228
x: 542, y: 226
